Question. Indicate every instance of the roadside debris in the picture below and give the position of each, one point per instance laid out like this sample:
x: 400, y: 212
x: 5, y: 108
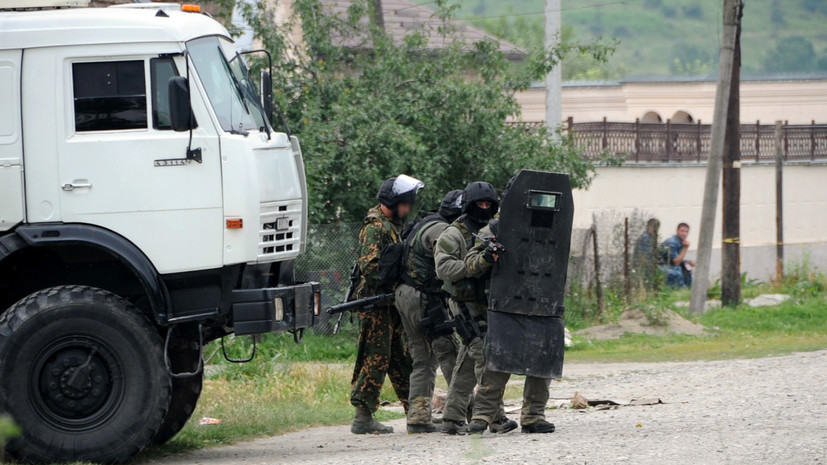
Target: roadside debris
x: 207, y: 421
x: 768, y: 300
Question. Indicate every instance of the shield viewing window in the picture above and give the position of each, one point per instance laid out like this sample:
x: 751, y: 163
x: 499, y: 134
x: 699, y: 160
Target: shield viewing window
x: 540, y: 200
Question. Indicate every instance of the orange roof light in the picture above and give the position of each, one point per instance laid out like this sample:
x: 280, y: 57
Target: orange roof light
x: 191, y: 8
x: 235, y: 223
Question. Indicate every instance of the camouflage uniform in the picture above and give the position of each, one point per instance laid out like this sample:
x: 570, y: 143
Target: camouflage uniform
x: 411, y: 301
x: 489, y: 397
x: 466, y: 288
x: 381, y: 345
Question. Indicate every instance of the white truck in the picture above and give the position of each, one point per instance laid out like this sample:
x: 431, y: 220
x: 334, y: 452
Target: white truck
x: 147, y: 206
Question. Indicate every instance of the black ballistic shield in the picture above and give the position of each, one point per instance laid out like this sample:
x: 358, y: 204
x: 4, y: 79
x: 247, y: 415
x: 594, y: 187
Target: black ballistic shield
x: 526, y: 328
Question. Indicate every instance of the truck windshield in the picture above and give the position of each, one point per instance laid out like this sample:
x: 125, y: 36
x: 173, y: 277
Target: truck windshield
x: 224, y: 77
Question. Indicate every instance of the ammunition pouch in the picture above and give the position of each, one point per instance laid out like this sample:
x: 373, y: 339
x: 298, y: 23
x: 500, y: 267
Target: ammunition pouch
x: 466, y: 290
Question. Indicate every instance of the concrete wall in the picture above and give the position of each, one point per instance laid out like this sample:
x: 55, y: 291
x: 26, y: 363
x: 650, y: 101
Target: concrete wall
x: 674, y: 193
x: 799, y: 101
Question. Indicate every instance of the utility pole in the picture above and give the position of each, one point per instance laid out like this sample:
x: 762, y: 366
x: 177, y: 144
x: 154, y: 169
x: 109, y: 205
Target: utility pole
x: 700, y: 282
x: 554, y: 79
x: 731, y: 242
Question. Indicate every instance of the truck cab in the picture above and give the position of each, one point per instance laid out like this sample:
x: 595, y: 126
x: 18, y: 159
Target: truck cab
x: 147, y: 207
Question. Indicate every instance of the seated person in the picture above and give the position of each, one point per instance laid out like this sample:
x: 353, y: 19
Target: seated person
x: 678, y: 270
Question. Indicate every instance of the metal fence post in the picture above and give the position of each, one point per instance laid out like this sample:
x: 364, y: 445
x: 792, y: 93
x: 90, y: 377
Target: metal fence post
x: 637, y: 140
x: 786, y: 141
x: 605, y: 133
x: 598, y: 289
x: 668, y: 140
x: 626, y: 285
x: 757, y: 140
x: 813, y: 140
x: 779, y: 205
x: 569, y: 123
x: 698, y: 143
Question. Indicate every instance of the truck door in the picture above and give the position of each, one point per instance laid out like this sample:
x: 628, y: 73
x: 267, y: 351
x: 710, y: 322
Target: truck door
x: 119, y: 164
x: 11, y: 144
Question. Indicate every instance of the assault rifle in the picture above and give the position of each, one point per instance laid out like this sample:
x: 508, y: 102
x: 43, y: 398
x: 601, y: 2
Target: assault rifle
x: 360, y: 304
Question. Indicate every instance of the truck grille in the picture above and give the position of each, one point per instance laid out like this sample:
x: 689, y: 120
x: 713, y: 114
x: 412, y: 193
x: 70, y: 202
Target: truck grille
x: 280, y: 233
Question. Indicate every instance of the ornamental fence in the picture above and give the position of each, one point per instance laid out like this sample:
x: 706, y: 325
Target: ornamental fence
x: 681, y: 143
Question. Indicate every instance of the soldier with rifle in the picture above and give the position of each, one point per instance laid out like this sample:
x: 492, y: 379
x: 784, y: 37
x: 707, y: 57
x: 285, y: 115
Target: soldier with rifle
x: 381, y: 347
x: 468, y: 303
x: 420, y: 302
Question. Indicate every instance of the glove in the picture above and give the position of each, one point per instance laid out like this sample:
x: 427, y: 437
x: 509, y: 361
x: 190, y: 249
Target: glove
x: 488, y: 256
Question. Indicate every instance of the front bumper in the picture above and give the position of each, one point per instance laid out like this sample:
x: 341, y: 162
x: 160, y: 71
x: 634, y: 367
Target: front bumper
x: 288, y: 308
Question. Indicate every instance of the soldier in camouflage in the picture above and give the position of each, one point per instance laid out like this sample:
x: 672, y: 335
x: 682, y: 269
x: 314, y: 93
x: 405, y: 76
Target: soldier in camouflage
x: 381, y: 346
x: 429, y: 347
x: 469, y: 303
x: 489, y: 397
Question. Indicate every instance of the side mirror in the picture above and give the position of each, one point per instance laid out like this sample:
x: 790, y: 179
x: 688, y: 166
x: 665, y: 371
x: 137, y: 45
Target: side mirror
x: 267, y: 94
x: 180, y: 113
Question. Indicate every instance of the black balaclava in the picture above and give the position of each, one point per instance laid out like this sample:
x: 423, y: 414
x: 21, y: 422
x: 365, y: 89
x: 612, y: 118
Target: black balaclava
x: 475, y: 192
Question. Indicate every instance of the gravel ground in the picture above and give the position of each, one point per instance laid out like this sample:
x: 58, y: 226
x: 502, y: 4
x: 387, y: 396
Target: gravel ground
x: 768, y: 410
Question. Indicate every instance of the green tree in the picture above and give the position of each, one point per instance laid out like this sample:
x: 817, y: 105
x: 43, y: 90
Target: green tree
x: 777, y: 13
x: 793, y: 54
x: 815, y: 6
x: 579, y: 64
x: 688, y: 60
x: 378, y: 107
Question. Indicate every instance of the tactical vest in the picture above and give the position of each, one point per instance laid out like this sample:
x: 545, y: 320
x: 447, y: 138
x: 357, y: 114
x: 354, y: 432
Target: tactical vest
x: 420, y: 269
x: 466, y: 289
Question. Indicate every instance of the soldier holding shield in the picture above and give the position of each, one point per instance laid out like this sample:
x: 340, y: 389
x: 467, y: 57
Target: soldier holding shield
x: 527, y: 287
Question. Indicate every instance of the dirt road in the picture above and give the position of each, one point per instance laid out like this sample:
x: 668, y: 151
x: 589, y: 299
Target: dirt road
x: 769, y: 410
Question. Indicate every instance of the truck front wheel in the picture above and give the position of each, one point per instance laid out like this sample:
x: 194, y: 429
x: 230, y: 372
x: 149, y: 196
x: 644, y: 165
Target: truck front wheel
x: 82, y: 373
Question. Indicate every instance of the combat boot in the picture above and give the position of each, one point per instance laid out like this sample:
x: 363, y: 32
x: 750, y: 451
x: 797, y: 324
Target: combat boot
x: 502, y: 426
x: 453, y: 427
x: 477, y: 426
x: 422, y: 428
x: 364, y: 423
x: 541, y: 426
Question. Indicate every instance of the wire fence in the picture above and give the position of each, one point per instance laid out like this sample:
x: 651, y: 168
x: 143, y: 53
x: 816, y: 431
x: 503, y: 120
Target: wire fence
x: 611, y: 258
x: 330, y: 256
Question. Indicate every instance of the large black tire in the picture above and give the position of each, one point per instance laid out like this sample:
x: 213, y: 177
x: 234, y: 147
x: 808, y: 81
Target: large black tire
x: 82, y: 373
x: 184, y: 355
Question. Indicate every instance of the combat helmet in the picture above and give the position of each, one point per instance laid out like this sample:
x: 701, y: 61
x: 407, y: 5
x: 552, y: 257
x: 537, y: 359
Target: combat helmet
x: 399, y: 189
x: 480, y: 191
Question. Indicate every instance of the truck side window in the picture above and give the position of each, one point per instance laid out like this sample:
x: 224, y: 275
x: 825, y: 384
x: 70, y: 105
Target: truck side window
x: 160, y: 70
x: 109, y: 95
